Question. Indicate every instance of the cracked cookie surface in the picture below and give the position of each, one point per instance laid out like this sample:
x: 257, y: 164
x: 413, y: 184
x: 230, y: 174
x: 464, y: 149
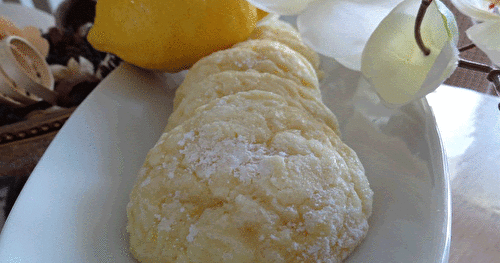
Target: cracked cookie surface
x: 249, y: 178
x: 263, y: 56
x: 231, y: 82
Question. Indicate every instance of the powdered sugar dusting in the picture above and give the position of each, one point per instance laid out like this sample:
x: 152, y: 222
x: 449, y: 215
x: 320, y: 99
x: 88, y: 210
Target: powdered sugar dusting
x: 146, y: 181
x: 165, y: 224
x: 247, y: 63
x: 187, y: 136
x: 170, y: 167
x: 193, y: 231
x: 236, y: 155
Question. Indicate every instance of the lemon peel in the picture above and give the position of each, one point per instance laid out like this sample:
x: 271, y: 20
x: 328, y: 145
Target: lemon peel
x: 170, y: 35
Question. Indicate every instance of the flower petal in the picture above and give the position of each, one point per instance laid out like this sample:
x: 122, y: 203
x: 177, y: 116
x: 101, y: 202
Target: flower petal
x: 443, y: 67
x: 282, y: 7
x: 341, y: 28
x: 486, y: 36
x: 393, y: 63
x: 449, y: 20
x: 477, y: 9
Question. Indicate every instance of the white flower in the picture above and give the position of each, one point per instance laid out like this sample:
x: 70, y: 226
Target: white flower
x: 373, y: 36
x: 485, y: 35
x: 394, y: 64
x: 334, y: 28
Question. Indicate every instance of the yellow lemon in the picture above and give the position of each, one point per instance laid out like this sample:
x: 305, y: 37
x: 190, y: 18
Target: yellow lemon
x: 170, y: 35
x: 261, y: 13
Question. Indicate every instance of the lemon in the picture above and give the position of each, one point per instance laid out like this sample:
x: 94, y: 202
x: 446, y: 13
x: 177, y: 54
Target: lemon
x: 261, y: 13
x: 170, y: 35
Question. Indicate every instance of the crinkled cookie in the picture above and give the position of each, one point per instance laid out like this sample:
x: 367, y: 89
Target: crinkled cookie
x: 249, y: 178
x: 281, y: 31
x: 231, y: 82
x: 262, y: 56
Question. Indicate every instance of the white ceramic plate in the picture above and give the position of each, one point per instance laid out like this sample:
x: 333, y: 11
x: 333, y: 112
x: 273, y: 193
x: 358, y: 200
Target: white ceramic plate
x: 72, y: 209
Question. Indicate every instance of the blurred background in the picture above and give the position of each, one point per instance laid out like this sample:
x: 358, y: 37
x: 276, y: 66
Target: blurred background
x: 461, y: 78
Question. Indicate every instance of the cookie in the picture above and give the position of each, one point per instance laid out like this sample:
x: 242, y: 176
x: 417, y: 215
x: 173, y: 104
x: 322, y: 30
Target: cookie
x: 263, y: 56
x: 281, y: 31
x: 231, y: 82
x: 282, y: 55
x: 249, y: 178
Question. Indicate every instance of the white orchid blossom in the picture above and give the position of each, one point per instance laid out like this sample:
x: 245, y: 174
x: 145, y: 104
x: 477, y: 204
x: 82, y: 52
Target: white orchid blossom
x: 395, y: 65
x: 485, y: 35
x: 359, y: 35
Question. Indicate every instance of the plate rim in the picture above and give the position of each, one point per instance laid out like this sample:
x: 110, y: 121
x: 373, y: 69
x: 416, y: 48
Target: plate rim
x: 443, y: 161
x: 430, y: 130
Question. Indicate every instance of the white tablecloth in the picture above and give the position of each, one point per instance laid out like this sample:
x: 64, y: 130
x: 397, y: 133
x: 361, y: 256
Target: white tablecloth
x: 469, y: 123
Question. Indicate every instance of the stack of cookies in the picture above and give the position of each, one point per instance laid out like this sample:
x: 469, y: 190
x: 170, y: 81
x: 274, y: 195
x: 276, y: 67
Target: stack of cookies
x: 251, y: 167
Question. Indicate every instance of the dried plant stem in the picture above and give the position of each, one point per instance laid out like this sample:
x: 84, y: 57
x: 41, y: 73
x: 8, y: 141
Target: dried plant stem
x: 418, y: 23
x: 494, y: 77
x: 493, y: 74
x: 470, y: 65
x: 465, y: 48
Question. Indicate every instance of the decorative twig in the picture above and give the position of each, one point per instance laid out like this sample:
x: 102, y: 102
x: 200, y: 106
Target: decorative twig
x: 493, y: 74
x: 418, y: 23
x: 494, y: 77
x: 465, y: 48
x: 470, y: 65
